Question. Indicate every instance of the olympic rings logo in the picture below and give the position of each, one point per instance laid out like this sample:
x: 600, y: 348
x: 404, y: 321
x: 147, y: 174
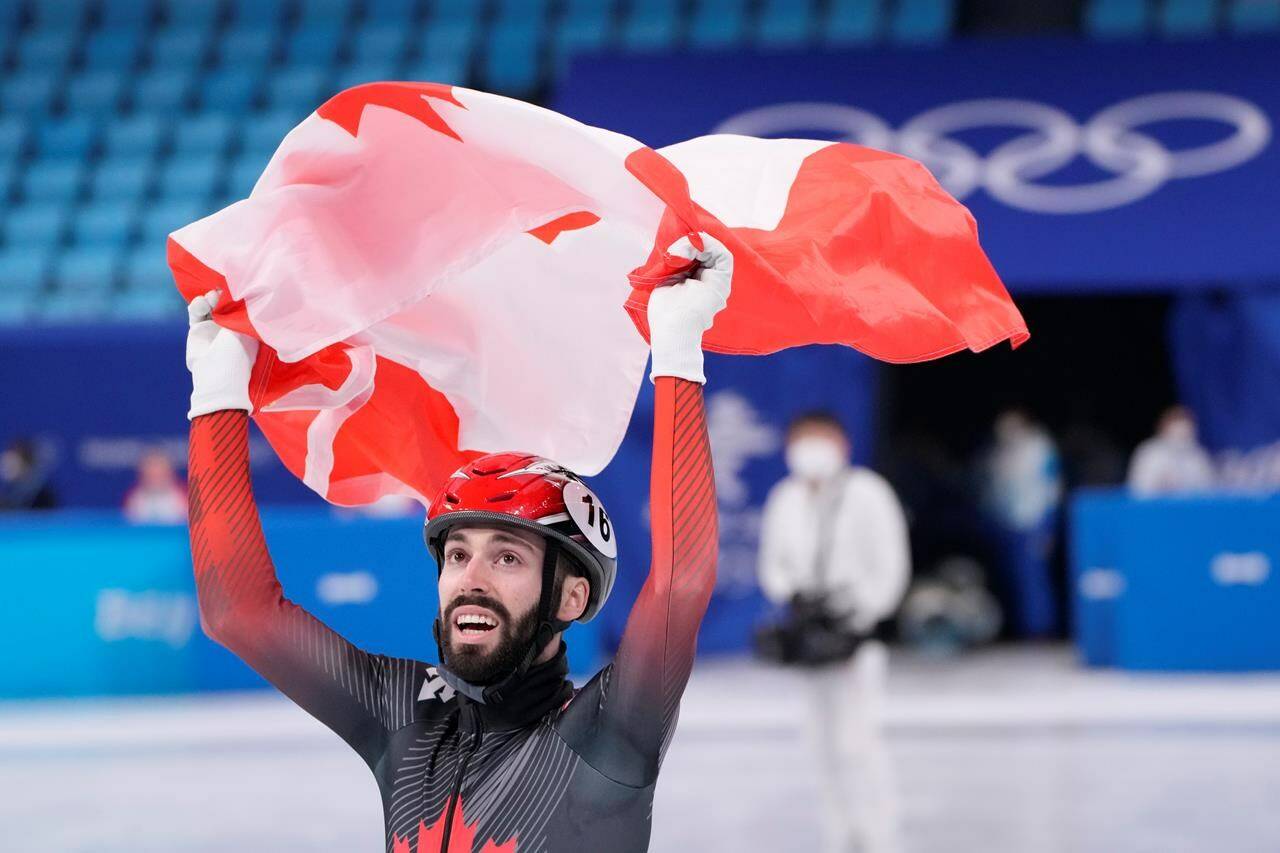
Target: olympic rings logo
x: 1014, y: 171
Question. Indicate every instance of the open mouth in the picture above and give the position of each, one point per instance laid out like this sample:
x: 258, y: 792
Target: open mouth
x: 474, y: 624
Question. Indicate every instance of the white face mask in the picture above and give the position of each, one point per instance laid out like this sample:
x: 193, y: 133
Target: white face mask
x: 815, y: 458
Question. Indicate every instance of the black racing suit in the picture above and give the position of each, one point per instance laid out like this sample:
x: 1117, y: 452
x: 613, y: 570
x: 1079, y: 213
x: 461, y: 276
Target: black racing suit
x: 550, y: 769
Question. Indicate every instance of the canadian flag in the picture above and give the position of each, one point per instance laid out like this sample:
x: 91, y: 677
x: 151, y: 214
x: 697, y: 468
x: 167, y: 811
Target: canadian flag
x: 437, y: 272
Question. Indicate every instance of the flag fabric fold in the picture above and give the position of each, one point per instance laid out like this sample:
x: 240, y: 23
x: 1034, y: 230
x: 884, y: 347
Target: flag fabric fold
x: 436, y: 272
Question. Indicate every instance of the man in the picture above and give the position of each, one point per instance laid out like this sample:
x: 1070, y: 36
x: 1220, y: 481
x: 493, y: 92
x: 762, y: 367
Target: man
x: 1022, y: 495
x: 1171, y: 461
x: 834, y: 547
x: 494, y: 750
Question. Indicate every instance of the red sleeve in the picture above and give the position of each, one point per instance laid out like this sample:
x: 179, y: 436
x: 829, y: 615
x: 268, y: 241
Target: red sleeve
x: 655, y: 657
x: 362, y: 697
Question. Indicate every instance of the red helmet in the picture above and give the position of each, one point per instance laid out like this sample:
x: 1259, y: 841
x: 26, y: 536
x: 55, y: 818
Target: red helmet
x: 530, y: 492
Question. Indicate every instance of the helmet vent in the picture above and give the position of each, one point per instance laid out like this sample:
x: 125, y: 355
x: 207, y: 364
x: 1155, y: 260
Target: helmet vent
x: 452, y: 498
x: 505, y: 496
x: 488, y: 471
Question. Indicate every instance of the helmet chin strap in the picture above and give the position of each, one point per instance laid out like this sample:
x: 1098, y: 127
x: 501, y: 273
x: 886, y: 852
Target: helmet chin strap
x: 548, y: 627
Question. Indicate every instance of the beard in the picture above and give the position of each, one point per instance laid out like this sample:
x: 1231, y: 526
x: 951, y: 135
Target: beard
x: 486, y: 666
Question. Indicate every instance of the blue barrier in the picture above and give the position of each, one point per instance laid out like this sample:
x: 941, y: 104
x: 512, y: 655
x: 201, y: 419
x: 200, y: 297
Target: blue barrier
x: 94, y: 606
x: 1176, y: 583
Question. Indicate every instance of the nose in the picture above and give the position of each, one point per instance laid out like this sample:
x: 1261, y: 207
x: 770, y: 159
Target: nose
x: 474, y: 576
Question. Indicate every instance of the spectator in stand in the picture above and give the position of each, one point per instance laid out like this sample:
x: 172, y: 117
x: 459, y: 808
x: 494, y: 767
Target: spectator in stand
x: 24, y: 478
x: 1171, y: 461
x: 159, y: 496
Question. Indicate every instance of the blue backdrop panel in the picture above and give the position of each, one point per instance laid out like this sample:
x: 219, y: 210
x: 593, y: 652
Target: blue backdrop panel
x: 1181, y: 584
x: 1226, y: 354
x: 101, y: 395
x: 1088, y: 165
x: 95, y: 607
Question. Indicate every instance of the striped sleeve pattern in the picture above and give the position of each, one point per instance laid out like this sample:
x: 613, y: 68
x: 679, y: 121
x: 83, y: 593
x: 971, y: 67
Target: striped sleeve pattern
x: 656, y: 654
x: 362, y: 697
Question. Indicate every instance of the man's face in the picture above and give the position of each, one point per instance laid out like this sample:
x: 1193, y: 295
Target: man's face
x: 490, y: 585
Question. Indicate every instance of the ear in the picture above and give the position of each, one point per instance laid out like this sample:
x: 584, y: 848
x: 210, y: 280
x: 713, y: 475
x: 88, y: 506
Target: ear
x: 573, y: 598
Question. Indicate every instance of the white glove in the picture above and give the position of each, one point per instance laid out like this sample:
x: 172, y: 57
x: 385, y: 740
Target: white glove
x: 219, y: 359
x: 679, y: 314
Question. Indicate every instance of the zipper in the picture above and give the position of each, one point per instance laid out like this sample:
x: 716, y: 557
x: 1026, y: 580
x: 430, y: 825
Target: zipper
x: 477, y: 729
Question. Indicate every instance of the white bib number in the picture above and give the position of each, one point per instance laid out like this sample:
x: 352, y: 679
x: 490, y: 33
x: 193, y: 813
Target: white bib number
x: 588, y: 514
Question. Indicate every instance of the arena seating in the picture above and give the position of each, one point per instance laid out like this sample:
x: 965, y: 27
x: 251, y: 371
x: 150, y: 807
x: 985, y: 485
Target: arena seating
x: 121, y: 120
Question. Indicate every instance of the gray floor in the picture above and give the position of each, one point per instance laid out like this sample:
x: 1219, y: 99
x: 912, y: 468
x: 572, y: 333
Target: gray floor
x: 1015, y: 751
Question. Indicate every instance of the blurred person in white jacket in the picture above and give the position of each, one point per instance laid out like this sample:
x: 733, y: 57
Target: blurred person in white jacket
x: 1171, y: 461
x: 834, y: 537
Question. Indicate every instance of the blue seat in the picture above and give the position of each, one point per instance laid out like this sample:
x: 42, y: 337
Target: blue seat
x: 247, y: 48
x: 136, y: 136
x: 126, y: 13
x: 229, y: 90
x: 114, y: 48
x: 365, y: 72
x: 852, y: 22
x: 315, y: 44
x: 74, y: 306
x: 28, y: 93
x: 59, y: 15
x: 190, y: 178
x: 786, y: 23
x: 160, y: 220
x: 455, y: 40
x: 529, y: 11
x: 163, y: 91
x: 84, y: 269
x: 587, y: 26
x: 36, y: 226
x: 652, y: 25
x: 244, y: 173
x: 24, y: 268
x: 180, y: 48
x: 191, y: 14
x: 922, y: 21
x: 105, y: 223
x: 204, y: 134
x: 1116, y: 18
x: 150, y: 305
x: 296, y: 89
x: 44, y: 50
x: 263, y: 133
x: 95, y: 93
x: 511, y: 62
x: 68, y: 138
x: 1248, y: 17
x: 450, y: 70
x: 391, y: 11
x: 10, y: 16
x: 258, y: 12
x: 456, y: 11
x: 53, y: 181
x: 1188, y: 18
x: 146, y: 269
x: 122, y: 179
x: 718, y: 23
x: 13, y: 135
x: 16, y: 306
x: 380, y: 42
x: 324, y: 11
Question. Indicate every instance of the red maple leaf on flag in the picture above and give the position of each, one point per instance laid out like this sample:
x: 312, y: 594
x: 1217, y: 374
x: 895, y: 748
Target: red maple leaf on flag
x: 346, y: 108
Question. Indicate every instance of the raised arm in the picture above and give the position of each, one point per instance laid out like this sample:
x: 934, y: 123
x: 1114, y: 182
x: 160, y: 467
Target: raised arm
x: 362, y: 697
x: 642, y: 688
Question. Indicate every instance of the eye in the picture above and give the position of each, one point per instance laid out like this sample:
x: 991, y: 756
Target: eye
x: 507, y: 558
x: 455, y: 555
